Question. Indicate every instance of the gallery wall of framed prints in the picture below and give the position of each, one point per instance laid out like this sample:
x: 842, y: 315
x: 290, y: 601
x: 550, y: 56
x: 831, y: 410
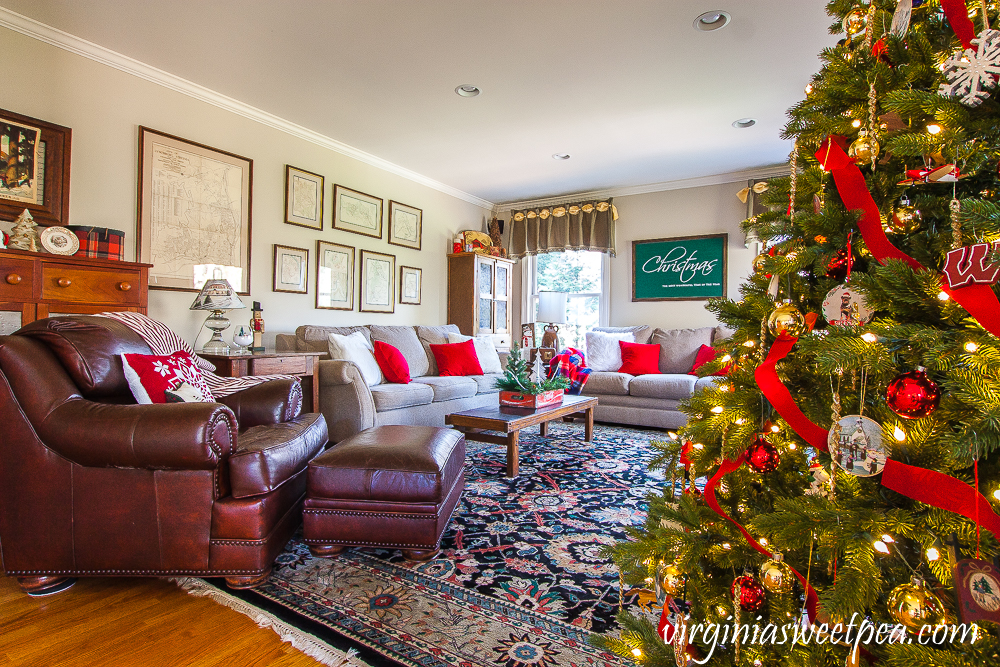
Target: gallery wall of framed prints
x: 345, y: 274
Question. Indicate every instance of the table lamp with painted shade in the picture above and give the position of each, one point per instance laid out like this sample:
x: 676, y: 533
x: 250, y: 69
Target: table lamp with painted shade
x: 217, y: 296
x: 551, y: 310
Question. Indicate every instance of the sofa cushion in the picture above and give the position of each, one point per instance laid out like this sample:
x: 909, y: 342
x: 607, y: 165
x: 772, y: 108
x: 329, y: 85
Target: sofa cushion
x: 311, y: 338
x: 449, y: 387
x: 391, y: 362
x: 639, y: 359
x: 679, y: 347
x: 673, y: 385
x: 357, y: 349
x: 642, y: 332
x: 640, y: 402
x: 395, y: 396
x: 603, y: 351
x: 607, y: 382
x: 405, y: 340
x: 486, y: 350
x: 265, y: 457
x: 434, y: 336
x: 486, y: 384
x: 707, y: 381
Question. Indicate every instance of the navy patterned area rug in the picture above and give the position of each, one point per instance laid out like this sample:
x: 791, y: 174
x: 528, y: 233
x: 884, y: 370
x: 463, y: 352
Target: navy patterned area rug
x: 519, y: 581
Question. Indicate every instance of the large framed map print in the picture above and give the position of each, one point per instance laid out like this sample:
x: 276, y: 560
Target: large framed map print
x: 194, y: 213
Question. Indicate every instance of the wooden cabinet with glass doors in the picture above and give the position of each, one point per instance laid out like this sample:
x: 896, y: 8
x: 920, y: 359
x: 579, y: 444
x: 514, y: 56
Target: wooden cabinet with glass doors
x: 479, y: 289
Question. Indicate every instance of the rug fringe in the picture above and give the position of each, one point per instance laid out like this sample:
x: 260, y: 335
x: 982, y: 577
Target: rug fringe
x: 302, y: 641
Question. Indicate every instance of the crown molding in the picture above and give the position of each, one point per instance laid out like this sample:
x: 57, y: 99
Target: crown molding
x: 81, y: 47
x: 717, y: 179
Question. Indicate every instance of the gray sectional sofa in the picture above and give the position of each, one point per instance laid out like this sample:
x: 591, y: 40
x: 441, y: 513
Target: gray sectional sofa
x: 652, y: 400
x: 350, y: 406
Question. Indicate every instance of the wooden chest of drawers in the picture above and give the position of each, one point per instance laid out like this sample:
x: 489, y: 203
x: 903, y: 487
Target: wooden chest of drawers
x: 39, y: 284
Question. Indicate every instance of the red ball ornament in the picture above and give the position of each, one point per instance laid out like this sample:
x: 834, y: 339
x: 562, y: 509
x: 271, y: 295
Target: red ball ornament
x: 913, y: 395
x: 762, y: 456
x: 748, y: 593
x: 837, y: 268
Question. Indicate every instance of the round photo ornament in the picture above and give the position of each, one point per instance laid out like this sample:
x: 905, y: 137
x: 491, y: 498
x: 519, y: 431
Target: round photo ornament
x: 858, y: 443
x: 845, y: 306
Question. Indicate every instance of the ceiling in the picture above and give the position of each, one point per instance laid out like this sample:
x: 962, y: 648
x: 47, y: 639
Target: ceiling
x: 630, y: 89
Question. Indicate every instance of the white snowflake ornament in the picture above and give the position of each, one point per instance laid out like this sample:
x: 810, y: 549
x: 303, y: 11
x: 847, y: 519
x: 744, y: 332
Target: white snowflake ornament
x: 972, y: 72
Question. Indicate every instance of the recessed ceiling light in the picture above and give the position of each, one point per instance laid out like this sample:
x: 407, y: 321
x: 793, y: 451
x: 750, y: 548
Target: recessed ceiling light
x: 560, y: 156
x: 712, y: 21
x: 467, y: 90
x: 744, y: 123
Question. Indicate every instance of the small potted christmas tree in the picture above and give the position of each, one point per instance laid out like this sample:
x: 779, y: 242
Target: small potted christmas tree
x: 522, y: 388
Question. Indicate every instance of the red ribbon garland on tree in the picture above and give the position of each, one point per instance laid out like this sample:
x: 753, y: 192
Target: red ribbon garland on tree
x: 957, y: 14
x: 940, y: 490
x: 979, y: 300
x: 778, y: 395
x: 709, y: 495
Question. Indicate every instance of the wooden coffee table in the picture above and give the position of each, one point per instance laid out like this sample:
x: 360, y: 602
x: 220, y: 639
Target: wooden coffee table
x: 510, y: 421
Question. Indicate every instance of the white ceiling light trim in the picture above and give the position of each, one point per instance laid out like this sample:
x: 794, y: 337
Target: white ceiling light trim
x: 701, y: 181
x: 81, y: 47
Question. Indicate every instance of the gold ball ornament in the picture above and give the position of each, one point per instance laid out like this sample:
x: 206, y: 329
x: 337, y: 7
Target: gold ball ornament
x: 855, y: 22
x: 776, y: 576
x: 786, y: 318
x: 669, y: 579
x: 758, y: 262
x: 914, y: 605
x: 864, y: 149
x: 906, y: 218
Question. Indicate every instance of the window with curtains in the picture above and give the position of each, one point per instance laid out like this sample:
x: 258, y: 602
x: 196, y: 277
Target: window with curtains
x: 583, y: 275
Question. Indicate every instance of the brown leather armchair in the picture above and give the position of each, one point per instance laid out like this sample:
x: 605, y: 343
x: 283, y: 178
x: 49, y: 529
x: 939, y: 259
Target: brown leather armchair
x: 92, y: 484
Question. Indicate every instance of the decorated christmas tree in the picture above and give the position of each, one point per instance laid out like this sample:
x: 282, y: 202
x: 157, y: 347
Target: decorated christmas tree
x: 850, y: 456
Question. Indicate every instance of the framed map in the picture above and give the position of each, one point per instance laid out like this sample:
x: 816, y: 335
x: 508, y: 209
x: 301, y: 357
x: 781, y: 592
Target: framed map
x: 34, y: 169
x: 303, y: 198
x: 357, y: 212
x: 194, y: 213
x: 409, y: 285
x: 291, y: 269
x: 405, y: 225
x: 378, y: 282
x: 334, y: 276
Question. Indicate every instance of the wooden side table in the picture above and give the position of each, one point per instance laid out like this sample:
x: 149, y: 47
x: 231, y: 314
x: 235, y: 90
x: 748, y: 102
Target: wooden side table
x: 303, y: 364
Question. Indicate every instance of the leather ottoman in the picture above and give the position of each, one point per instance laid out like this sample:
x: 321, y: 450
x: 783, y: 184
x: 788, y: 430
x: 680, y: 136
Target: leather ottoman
x: 392, y: 487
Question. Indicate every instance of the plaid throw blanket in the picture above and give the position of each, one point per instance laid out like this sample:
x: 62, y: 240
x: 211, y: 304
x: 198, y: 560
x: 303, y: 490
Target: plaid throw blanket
x: 162, y: 341
x: 570, y: 363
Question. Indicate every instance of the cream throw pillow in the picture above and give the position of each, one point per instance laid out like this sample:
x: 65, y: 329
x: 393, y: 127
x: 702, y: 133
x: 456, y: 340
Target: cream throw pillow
x: 486, y: 351
x: 356, y: 348
x: 603, y: 351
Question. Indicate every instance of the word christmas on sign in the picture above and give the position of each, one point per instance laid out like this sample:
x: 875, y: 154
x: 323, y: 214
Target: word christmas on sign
x: 972, y: 265
x: 679, y: 261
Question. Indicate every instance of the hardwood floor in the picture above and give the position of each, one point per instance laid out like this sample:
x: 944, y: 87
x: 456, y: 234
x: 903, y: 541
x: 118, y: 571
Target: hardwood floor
x: 124, y: 622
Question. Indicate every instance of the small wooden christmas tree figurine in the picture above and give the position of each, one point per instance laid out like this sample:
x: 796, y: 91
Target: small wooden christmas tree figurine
x: 23, y: 235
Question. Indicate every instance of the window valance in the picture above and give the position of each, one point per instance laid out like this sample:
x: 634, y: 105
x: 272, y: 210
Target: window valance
x: 586, y: 225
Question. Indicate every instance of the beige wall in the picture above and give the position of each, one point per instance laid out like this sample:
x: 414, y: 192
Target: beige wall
x: 709, y: 209
x: 712, y: 209
x: 105, y: 106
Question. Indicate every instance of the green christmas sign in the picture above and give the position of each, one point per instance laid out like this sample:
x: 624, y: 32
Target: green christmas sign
x: 688, y: 268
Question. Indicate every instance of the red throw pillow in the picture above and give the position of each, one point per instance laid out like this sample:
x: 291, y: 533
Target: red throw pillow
x: 705, y: 355
x: 457, y: 359
x: 392, y: 363
x: 639, y: 359
x: 165, y: 379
